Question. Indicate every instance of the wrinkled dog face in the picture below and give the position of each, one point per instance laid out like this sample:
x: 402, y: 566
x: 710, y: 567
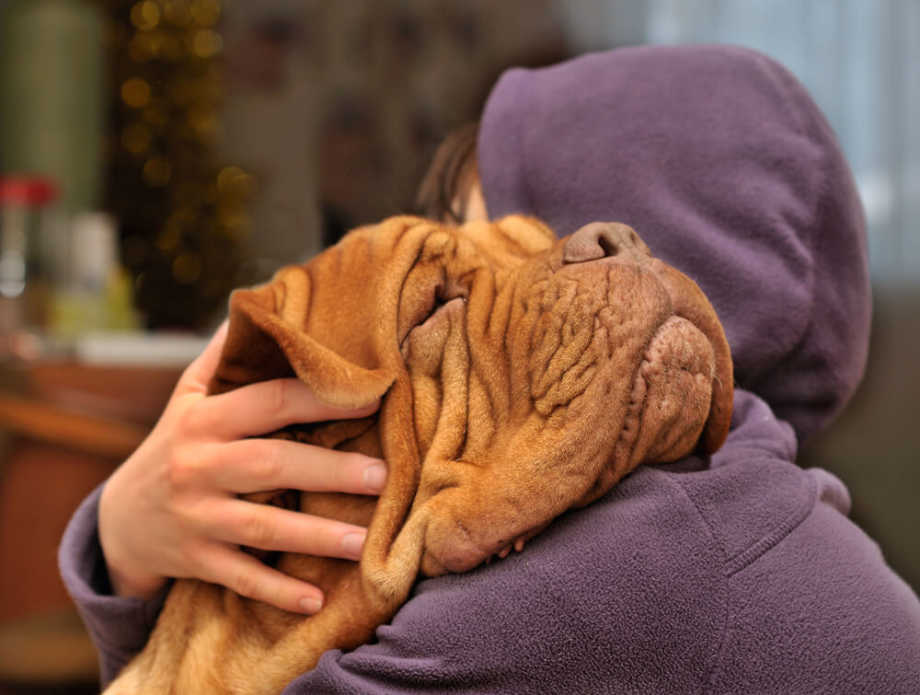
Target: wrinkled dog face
x: 549, y: 380
x: 537, y: 372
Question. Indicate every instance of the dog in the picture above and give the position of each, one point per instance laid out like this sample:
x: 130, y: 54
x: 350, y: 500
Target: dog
x: 521, y: 376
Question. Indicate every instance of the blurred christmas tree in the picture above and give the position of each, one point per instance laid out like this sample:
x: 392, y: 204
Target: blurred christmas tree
x: 182, y: 211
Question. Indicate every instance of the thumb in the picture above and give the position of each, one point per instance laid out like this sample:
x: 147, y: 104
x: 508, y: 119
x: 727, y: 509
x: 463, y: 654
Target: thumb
x: 196, y: 376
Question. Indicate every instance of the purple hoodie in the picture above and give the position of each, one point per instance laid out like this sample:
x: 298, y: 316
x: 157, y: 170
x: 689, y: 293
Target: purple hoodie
x: 734, y: 574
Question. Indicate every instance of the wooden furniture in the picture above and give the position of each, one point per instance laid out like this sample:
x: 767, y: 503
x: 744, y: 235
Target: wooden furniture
x: 64, y: 427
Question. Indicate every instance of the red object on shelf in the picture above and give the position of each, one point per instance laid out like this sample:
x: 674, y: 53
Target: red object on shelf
x: 27, y: 190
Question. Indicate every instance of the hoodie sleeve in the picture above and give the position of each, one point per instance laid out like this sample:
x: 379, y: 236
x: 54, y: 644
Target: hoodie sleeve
x: 119, y: 627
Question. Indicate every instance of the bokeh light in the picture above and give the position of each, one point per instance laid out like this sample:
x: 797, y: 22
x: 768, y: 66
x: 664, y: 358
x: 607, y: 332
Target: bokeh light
x: 157, y: 171
x: 135, y: 92
x: 145, y: 15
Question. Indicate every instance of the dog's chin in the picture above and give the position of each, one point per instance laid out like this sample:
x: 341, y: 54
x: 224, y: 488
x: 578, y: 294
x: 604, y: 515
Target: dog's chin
x: 458, y: 555
x: 452, y: 547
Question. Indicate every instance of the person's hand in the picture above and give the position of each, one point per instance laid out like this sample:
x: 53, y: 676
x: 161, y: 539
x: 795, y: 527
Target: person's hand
x: 172, y: 510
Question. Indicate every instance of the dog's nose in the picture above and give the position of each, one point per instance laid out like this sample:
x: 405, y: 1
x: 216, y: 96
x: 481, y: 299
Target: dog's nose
x: 602, y: 240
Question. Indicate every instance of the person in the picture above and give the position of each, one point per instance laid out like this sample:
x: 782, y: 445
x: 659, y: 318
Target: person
x: 734, y: 573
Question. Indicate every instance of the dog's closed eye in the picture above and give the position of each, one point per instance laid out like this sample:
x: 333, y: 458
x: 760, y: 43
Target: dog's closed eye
x: 425, y: 295
x: 439, y: 303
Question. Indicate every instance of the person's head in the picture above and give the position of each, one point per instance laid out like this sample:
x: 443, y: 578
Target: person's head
x: 720, y: 160
x: 450, y: 190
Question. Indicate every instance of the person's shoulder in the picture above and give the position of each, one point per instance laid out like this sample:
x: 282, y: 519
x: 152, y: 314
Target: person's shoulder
x: 639, y: 567
x: 646, y: 530
x: 810, y: 603
x: 624, y: 595
x: 814, y: 607
x: 750, y: 504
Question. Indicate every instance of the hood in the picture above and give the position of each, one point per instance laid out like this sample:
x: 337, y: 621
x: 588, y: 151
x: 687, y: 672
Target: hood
x: 721, y: 161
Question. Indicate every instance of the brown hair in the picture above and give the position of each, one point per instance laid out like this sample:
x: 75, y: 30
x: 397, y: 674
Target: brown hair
x: 452, y: 173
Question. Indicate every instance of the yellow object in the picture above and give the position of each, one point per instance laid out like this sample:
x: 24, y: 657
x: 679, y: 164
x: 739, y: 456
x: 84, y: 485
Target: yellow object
x: 75, y: 312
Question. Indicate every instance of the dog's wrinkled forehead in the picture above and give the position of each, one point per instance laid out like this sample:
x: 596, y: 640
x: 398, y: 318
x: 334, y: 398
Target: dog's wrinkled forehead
x: 340, y: 322
x: 404, y: 267
x: 398, y: 246
x: 355, y: 301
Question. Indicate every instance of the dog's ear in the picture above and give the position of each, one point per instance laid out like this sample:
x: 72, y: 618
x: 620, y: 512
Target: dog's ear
x: 267, y: 339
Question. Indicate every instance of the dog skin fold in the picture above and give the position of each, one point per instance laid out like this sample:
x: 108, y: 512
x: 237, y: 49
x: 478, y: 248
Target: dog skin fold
x: 523, y: 375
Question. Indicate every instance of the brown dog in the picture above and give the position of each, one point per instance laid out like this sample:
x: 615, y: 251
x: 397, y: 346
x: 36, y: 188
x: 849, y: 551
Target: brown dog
x: 523, y: 376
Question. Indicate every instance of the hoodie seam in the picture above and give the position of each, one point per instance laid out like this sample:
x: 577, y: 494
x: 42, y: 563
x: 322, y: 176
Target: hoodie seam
x: 735, y: 563
x: 744, y: 559
x: 715, y: 664
x: 740, y: 560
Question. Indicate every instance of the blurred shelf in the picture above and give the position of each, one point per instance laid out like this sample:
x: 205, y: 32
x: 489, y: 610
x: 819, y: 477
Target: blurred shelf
x: 95, y: 435
x: 47, y: 649
x: 65, y: 425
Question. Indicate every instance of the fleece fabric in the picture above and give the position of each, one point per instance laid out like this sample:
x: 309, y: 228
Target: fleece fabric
x: 737, y: 573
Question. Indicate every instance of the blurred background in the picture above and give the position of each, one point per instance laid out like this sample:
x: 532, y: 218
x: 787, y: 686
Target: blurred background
x: 155, y: 154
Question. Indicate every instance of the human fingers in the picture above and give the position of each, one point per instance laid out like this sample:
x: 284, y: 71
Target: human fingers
x: 248, y: 577
x: 264, y: 407
x: 268, y: 527
x: 255, y: 465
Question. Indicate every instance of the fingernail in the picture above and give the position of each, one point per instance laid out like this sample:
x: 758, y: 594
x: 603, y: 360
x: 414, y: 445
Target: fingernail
x: 352, y: 545
x: 375, y: 476
x: 311, y: 604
